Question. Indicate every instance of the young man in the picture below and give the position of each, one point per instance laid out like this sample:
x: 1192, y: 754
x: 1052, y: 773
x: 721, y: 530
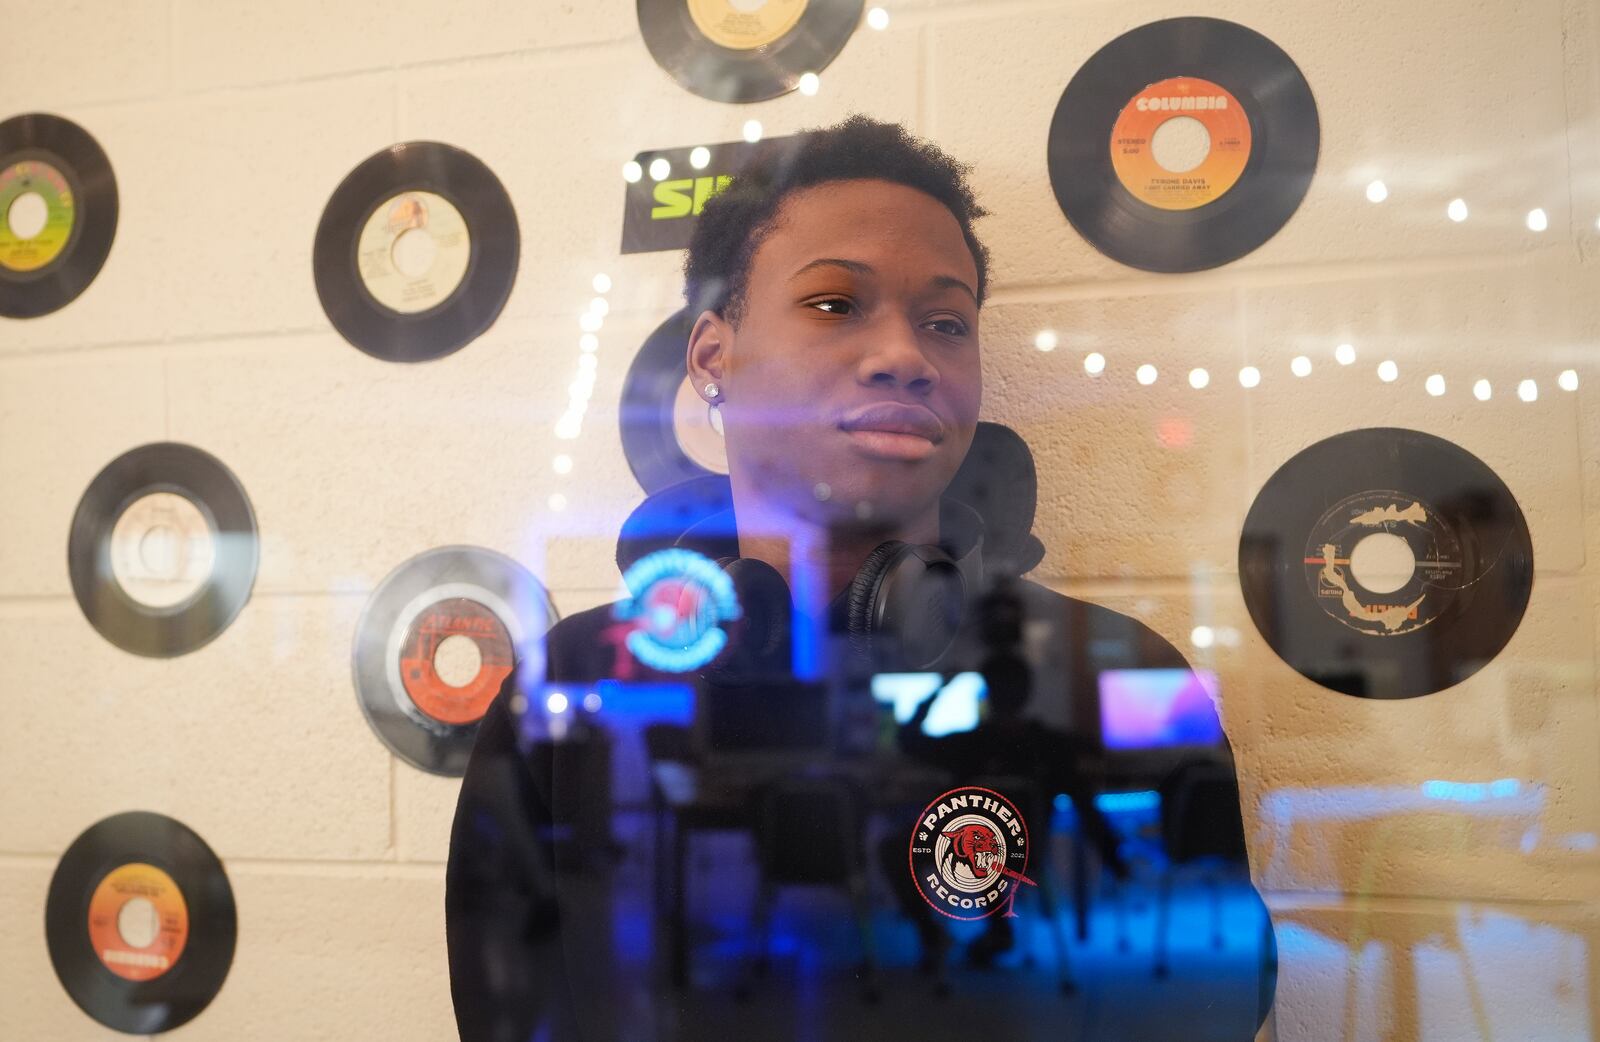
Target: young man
x: 837, y: 289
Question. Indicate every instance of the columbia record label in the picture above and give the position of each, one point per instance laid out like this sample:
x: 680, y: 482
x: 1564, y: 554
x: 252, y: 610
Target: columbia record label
x: 416, y: 252
x: 58, y: 213
x: 1183, y: 144
x: 745, y: 50
x: 163, y: 549
x: 1386, y: 563
x: 140, y: 923
x: 437, y: 639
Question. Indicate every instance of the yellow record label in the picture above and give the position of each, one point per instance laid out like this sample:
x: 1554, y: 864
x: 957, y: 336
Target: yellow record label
x: 413, y: 252
x: 25, y: 186
x: 744, y: 25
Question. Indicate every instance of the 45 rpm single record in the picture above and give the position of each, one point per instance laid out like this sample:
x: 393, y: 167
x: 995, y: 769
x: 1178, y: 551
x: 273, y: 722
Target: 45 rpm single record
x: 140, y: 923
x: 437, y: 638
x: 163, y: 549
x: 1230, y: 115
x: 669, y: 432
x: 416, y: 252
x: 745, y: 50
x: 1386, y: 563
x: 58, y: 213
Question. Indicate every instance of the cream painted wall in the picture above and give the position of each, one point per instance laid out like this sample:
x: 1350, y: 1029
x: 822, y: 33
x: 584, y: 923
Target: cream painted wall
x: 229, y: 124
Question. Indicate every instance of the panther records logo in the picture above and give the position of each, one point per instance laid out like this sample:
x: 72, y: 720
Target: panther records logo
x: 968, y: 853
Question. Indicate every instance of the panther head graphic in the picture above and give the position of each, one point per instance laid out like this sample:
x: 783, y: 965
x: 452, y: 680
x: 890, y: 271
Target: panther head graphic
x: 975, y: 846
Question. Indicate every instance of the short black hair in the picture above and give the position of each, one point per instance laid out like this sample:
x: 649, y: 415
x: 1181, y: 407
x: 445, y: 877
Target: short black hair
x: 737, y: 220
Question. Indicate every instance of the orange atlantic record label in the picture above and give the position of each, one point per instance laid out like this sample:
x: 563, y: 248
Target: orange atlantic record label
x: 138, y: 922
x: 1133, y: 137
x: 431, y: 693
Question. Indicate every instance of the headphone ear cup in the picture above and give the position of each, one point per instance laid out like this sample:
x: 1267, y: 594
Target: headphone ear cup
x: 864, y: 605
x: 761, y: 638
x: 906, y: 606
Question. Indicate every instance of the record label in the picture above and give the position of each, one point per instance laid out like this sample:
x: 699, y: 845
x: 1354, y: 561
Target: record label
x: 417, y: 252
x: 414, y: 251
x: 744, y: 25
x: 1429, y: 563
x: 58, y: 213
x: 1412, y: 580
x: 669, y: 432
x: 162, y: 550
x: 434, y: 644
x: 1134, y: 137
x: 1183, y: 144
x: 138, y: 922
x: 745, y: 50
x: 37, y: 185
x: 432, y: 686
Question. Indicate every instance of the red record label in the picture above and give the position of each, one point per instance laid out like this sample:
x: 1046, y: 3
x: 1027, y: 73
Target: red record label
x: 456, y: 617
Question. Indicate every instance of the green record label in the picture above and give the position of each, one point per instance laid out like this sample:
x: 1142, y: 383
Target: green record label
x: 38, y: 179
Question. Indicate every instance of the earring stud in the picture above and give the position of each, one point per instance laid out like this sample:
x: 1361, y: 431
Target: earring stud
x: 712, y: 390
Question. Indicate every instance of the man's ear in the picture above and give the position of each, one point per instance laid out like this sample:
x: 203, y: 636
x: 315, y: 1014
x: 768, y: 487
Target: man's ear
x: 710, y: 339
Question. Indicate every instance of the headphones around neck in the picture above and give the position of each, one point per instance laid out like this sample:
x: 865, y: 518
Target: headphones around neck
x: 902, y: 611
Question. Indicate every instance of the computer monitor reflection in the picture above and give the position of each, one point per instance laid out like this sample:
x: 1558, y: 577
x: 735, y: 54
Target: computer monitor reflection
x: 1146, y: 709
x: 958, y: 706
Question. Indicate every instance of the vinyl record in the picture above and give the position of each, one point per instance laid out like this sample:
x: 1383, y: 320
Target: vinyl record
x: 58, y: 213
x: 738, y: 51
x: 668, y: 431
x: 1233, y: 119
x: 416, y: 252
x: 140, y: 923
x: 163, y: 549
x: 437, y: 638
x: 1386, y: 563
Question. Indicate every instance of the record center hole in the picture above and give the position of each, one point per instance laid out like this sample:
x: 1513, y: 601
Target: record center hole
x: 457, y: 660
x: 1382, y: 562
x: 158, y: 551
x: 1180, y: 144
x: 27, y: 215
x: 137, y: 922
x: 413, y: 253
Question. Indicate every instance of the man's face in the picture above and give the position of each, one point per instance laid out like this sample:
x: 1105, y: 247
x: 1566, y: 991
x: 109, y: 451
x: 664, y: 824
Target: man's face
x: 853, y: 381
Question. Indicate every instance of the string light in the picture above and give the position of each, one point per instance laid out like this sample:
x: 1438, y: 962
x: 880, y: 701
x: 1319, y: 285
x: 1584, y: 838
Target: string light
x: 1301, y: 366
x: 660, y: 169
x: 809, y: 84
x: 1388, y: 372
x: 1435, y: 385
x: 1046, y: 340
x: 1145, y: 374
x: 1377, y: 192
x: 632, y: 171
x: 1528, y: 391
x: 1094, y: 363
x: 1568, y: 380
x: 1482, y: 391
x: 1344, y: 354
x: 1199, y: 378
x: 700, y: 157
x: 1249, y: 376
x: 1538, y: 220
x: 1457, y: 210
x: 878, y: 18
